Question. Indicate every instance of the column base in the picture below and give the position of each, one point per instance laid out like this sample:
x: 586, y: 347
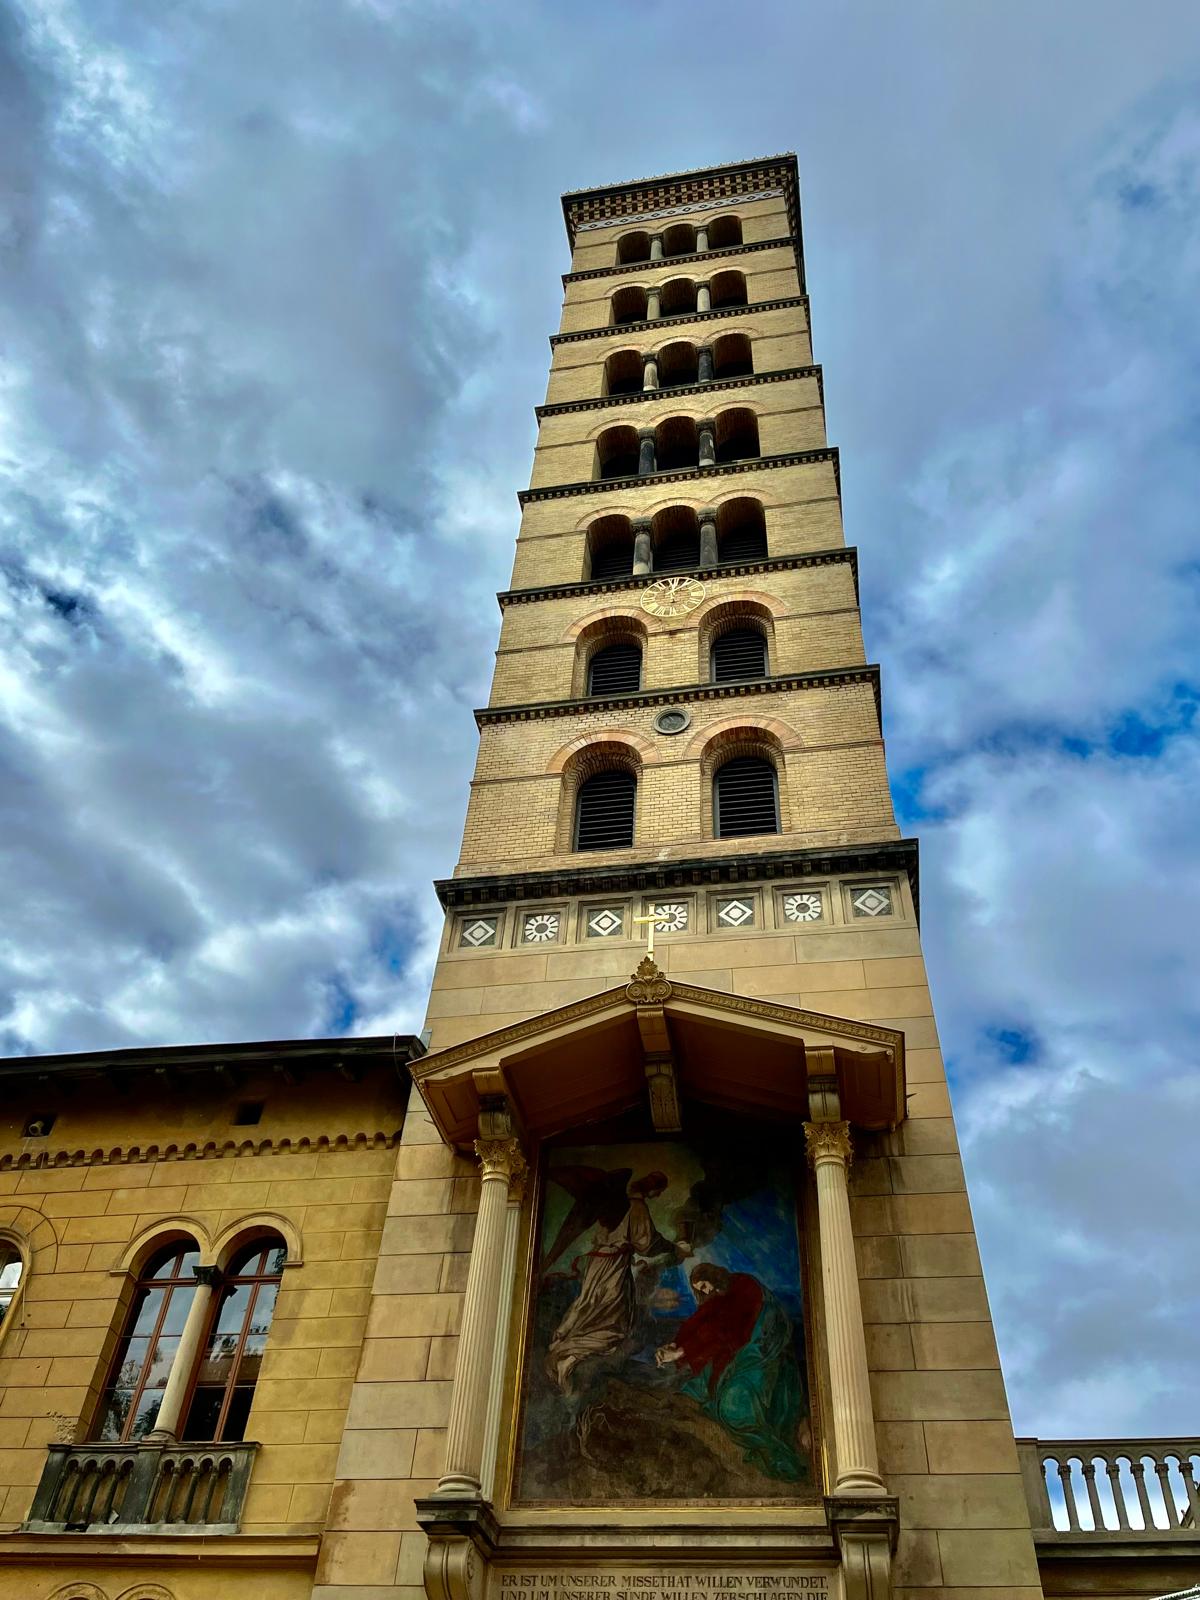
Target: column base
x: 856, y: 1483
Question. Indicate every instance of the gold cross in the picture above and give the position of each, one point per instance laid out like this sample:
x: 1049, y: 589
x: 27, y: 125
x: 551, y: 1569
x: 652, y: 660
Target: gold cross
x: 654, y: 914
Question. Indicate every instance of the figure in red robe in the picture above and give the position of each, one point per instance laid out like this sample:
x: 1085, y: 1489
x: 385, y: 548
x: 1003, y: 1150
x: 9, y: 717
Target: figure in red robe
x: 738, y: 1350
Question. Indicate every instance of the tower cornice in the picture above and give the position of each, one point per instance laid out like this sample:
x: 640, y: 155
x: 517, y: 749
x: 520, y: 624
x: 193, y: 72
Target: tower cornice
x: 629, y: 268
x: 729, y: 569
x: 714, y: 385
x: 789, y: 458
x: 587, y: 878
x: 821, y: 678
x: 609, y: 329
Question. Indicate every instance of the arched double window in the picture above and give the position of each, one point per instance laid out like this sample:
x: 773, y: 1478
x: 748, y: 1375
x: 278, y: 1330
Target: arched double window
x: 222, y: 1385
x: 745, y: 798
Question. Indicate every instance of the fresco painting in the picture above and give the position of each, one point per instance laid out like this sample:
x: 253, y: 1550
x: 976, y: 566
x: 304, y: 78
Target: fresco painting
x: 665, y: 1356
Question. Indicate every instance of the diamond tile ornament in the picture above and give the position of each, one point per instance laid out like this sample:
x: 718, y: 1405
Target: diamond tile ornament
x: 672, y: 917
x: 540, y: 927
x: 735, y: 913
x: 802, y: 907
x: 873, y: 901
x: 479, y: 932
x: 604, y: 923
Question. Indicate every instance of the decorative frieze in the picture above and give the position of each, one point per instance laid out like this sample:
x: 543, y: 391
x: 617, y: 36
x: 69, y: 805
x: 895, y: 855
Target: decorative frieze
x: 722, y: 469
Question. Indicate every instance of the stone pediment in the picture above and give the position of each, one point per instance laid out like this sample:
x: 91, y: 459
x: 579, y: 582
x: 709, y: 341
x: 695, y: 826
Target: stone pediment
x: 666, y: 1043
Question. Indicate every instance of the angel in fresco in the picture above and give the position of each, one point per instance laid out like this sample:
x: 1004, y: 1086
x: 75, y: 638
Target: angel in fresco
x: 738, y: 1355
x: 615, y: 1206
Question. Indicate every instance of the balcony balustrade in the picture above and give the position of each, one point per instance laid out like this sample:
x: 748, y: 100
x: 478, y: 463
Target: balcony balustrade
x: 142, y: 1488
x: 1113, y: 1490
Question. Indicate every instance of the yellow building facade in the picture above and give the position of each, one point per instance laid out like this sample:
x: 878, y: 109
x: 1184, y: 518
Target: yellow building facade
x: 661, y: 1277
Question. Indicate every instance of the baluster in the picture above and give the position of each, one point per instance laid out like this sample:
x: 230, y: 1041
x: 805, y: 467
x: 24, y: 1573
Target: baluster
x: 65, y: 1500
x: 84, y: 1514
x: 194, y: 1474
x: 1063, y: 1469
x: 1138, y: 1468
x: 1162, y: 1468
x: 1088, y: 1468
x: 212, y: 1477
x: 108, y: 1491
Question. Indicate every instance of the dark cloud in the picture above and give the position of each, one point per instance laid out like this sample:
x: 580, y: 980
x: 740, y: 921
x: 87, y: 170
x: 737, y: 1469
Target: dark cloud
x: 276, y: 294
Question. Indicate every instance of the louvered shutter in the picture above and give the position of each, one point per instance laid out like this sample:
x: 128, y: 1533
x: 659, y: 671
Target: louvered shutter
x: 604, y: 812
x: 613, y: 560
x: 617, y: 669
x: 744, y: 544
x: 740, y: 653
x: 745, y: 799
x: 678, y: 551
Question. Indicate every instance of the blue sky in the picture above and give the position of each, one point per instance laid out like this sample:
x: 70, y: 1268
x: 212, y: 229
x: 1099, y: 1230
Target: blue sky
x: 276, y: 285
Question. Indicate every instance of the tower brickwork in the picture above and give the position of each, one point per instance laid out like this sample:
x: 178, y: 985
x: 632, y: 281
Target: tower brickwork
x: 683, y: 493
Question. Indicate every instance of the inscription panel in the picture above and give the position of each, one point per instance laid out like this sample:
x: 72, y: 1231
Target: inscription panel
x: 666, y: 1583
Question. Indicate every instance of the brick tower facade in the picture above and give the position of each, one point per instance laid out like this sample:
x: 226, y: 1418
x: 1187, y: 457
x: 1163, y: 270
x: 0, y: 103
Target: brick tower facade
x: 682, y: 728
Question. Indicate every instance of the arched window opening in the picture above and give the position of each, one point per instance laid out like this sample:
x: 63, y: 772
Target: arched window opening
x: 679, y: 240
x: 629, y: 304
x: 723, y: 232
x: 738, y: 654
x: 617, y: 669
x: 737, y: 435
x: 741, y: 531
x: 610, y: 548
x: 623, y: 372
x: 678, y: 298
x: 745, y: 798
x: 633, y: 247
x: 617, y: 453
x: 676, y: 539
x: 604, y: 811
x: 161, y: 1299
x: 727, y: 289
x: 676, y: 444
x: 678, y: 365
x: 232, y: 1351
x: 11, y: 1268
x: 732, y: 356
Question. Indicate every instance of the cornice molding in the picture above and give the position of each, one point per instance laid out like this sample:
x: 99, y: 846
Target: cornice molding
x: 643, y: 396
x: 683, y: 317
x: 212, y: 1149
x: 728, y: 569
x: 826, y: 678
x: 789, y: 458
x: 583, y: 878
x: 625, y: 268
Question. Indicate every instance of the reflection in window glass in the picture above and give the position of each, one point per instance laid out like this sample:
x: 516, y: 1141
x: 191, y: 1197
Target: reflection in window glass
x: 232, y: 1352
x: 149, y: 1344
x: 10, y: 1278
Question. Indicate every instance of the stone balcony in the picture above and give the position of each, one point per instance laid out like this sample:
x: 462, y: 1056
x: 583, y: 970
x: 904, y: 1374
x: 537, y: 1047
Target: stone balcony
x: 142, y: 1488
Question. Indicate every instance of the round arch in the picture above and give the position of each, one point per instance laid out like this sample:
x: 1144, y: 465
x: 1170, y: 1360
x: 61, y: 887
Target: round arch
x: 258, y: 1226
x: 167, y: 1230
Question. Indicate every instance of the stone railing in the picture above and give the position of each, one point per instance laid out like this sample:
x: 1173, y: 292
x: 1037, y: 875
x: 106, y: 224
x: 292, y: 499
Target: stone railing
x: 1084, y: 1490
x: 142, y: 1488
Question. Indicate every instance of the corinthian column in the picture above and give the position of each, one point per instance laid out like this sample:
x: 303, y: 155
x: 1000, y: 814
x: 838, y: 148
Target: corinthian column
x: 853, y: 1423
x: 501, y: 1161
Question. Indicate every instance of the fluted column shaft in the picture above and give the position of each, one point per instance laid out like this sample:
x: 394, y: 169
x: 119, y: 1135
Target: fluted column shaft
x: 170, y: 1411
x: 501, y: 1160
x: 853, y: 1421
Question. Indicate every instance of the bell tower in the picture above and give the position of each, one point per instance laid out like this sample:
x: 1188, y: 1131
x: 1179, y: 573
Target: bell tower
x: 683, y: 738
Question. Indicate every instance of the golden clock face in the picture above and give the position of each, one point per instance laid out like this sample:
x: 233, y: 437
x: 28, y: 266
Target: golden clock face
x: 672, y: 597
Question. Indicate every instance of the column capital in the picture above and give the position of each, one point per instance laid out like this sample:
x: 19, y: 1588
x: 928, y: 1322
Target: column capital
x: 210, y: 1277
x: 828, y: 1141
x: 645, y: 433
x: 501, y: 1158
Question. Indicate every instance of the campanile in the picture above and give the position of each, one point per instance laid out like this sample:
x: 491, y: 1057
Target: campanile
x: 679, y: 1293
